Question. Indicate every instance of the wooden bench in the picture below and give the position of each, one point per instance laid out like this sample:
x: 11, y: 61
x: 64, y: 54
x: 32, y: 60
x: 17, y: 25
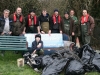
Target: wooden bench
x: 13, y: 43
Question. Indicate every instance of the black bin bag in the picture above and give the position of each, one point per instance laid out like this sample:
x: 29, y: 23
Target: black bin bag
x: 74, y: 67
x: 96, y: 61
x: 55, y: 67
x: 46, y: 60
x: 87, y: 57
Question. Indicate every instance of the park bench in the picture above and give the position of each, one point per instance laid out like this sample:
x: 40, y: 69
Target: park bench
x: 13, y: 43
x: 20, y: 43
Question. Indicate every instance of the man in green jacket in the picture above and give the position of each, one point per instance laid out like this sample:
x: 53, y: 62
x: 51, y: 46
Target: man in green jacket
x: 72, y: 15
x: 68, y: 26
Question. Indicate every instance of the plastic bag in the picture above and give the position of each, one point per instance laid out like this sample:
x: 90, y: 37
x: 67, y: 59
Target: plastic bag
x: 74, y: 68
x: 55, y: 67
x: 96, y: 61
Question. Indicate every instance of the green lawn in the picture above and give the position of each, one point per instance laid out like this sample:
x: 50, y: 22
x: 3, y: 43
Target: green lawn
x: 8, y: 66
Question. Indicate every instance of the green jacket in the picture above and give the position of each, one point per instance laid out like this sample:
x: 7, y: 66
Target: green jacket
x: 75, y: 19
x: 71, y: 26
x: 18, y: 27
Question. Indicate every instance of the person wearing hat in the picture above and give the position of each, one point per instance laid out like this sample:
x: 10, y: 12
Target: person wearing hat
x: 37, y: 45
x: 68, y: 26
x: 44, y: 21
x: 32, y: 23
x: 56, y: 22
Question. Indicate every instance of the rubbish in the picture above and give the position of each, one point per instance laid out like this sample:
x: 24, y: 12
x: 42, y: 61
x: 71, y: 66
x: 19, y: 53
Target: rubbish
x: 74, y: 67
x: 96, y: 61
x: 20, y: 62
x: 55, y: 67
x: 87, y: 57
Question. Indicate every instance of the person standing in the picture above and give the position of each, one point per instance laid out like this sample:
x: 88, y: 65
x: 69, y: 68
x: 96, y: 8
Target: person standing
x: 86, y: 27
x: 5, y: 25
x: 32, y: 23
x: 68, y: 26
x: 56, y: 22
x: 72, y: 15
x: 44, y: 20
x: 18, y: 22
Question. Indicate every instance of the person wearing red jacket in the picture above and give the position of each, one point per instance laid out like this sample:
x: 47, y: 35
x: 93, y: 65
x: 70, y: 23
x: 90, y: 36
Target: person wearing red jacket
x: 56, y: 22
x: 86, y: 27
x: 32, y: 23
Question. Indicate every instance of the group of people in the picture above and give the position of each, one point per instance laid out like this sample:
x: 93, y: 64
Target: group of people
x: 16, y: 24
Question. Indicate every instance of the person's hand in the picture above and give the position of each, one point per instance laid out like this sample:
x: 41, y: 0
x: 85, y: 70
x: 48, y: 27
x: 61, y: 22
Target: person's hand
x: 60, y: 32
x: 34, y: 52
x: 73, y: 33
x: 9, y: 32
x: 39, y: 45
x: 2, y: 33
x: 23, y: 32
x: 49, y: 32
x: 42, y: 32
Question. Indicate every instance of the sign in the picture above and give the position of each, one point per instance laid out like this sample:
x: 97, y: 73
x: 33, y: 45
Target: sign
x: 49, y: 41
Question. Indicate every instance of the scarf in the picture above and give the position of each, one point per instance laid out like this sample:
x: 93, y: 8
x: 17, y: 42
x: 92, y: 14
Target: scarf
x: 84, y: 20
x: 30, y: 21
x: 54, y: 19
x: 15, y: 18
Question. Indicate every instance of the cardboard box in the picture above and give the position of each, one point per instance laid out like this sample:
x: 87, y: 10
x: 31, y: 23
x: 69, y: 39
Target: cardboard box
x: 20, y: 62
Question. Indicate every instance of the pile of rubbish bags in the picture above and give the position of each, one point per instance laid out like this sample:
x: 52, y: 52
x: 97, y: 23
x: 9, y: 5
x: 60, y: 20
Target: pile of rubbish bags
x: 76, y: 62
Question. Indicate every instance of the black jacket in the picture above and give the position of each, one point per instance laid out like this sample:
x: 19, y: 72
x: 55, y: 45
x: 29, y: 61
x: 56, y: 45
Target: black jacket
x: 34, y: 45
x: 2, y: 24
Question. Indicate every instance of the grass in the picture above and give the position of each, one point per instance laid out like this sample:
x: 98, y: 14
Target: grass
x: 8, y: 66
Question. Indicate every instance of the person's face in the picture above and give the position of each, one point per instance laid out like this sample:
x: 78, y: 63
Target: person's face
x: 32, y: 13
x: 66, y: 16
x: 6, y: 14
x: 18, y: 11
x: 37, y: 39
x: 71, y: 12
x: 44, y: 12
x: 56, y: 13
x: 84, y: 12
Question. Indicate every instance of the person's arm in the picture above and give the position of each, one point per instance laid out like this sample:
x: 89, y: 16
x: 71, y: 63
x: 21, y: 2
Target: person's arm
x: 23, y: 27
x: 38, y: 26
x: 40, y: 45
x: 26, y: 23
x: 50, y: 24
x: 1, y: 29
x: 34, y: 47
x: 11, y: 25
x: 61, y: 26
x: 92, y: 24
x: 73, y: 28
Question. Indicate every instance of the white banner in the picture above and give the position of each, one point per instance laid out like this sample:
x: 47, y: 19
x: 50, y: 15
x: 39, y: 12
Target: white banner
x: 49, y: 41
